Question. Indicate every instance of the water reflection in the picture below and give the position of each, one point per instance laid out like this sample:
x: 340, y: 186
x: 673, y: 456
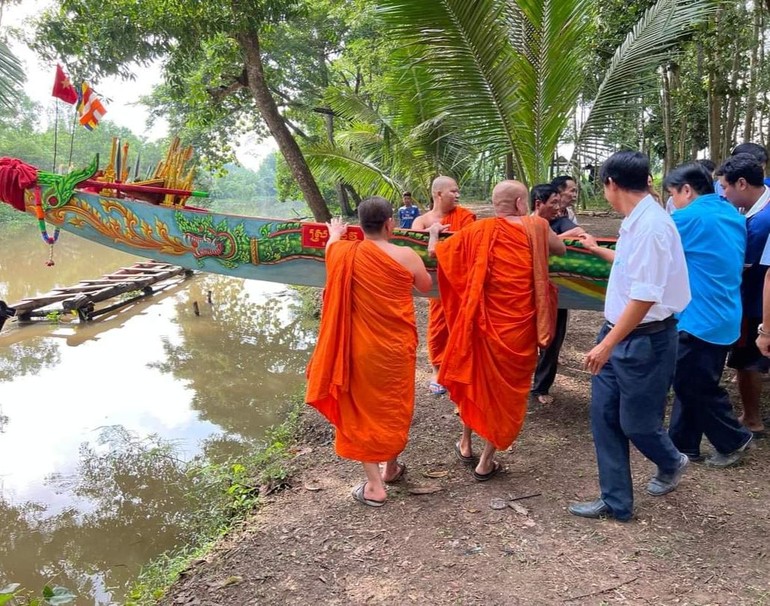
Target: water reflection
x: 97, y: 420
x: 24, y: 359
x: 127, y: 500
x: 239, y: 356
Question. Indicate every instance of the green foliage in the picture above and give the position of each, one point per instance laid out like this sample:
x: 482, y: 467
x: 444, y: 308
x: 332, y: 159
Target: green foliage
x: 11, y: 76
x: 15, y: 595
x: 53, y: 316
x: 631, y: 72
x: 21, y: 137
x: 385, y: 154
x: 512, y: 71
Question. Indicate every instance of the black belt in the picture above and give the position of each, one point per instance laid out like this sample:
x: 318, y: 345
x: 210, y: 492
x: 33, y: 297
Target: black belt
x: 650, y: 328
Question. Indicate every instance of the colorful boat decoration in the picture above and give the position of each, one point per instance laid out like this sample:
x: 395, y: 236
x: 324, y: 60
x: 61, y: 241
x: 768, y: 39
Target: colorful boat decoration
x: 275, y: 250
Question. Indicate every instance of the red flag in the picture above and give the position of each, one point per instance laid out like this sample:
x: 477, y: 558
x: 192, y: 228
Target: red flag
x: 62, y: 87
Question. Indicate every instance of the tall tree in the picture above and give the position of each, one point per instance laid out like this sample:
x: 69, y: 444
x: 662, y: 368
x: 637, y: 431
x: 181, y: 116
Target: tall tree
x: 220, y: 43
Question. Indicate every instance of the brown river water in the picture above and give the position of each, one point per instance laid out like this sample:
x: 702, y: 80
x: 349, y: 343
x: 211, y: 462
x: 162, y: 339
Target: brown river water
x: 96, y: 418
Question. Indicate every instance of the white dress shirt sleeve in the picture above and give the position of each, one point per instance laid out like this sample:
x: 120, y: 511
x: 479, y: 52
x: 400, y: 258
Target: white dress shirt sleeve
x: 648, y: 280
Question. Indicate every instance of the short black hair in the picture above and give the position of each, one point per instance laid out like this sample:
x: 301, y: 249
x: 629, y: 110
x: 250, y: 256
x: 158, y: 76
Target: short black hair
x: 693, y: 174
x: 373, y: 213
x: 406, y: 193
x: 541, y: 192
x: 709, y: 165
x: 629, y: 170
x: 753, y: 149
x: 560, y: 182
x: 744, y: 166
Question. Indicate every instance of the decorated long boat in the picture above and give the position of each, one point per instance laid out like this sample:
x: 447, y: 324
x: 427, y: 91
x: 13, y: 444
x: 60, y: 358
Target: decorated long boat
x: 153, y: 220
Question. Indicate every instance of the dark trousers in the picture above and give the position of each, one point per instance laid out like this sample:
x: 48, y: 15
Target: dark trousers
x: 701, y: 405
x: 548, y: 360
x: 628, y: 403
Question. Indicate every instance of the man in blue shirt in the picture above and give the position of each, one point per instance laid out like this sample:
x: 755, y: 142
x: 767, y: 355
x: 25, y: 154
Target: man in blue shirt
x: 713, y: 236
x: 545, y: 203
x: 753, y: 149
x: 408, y: 212
x: 742, y: 180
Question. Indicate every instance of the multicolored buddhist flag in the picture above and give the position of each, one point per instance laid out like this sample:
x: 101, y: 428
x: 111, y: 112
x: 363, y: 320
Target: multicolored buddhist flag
x: 90, y: 107
x: 62, y: 87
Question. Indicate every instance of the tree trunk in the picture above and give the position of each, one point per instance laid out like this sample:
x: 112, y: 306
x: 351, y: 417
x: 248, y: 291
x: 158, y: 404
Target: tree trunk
x: 353, y: 194
x: 751, y: 101
x: 342, y: 196
x: 257, y: 84
x: 675, y: 87
x: 665, y: 104
x: 509, y: 167
x: 715, y: 124
x: 732, y: 104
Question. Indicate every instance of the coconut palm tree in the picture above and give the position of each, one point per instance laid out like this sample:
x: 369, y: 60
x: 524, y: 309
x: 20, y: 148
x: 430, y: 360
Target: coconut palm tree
x: 11, y: 74
x: 511, y: 71
x: 386, y: 152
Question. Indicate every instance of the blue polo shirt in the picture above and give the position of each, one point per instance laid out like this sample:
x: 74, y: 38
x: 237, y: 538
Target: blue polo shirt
x: 758, y: 229
x: 713, y: 236
x: 407, y: 215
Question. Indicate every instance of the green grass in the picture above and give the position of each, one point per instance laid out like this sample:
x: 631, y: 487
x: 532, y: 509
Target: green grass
x: 228, y: 494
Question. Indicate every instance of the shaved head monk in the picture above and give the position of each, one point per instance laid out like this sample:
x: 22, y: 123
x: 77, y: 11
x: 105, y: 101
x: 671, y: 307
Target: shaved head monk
x: 361, y: 374
x: 493, y: 280
x: 445, y: 211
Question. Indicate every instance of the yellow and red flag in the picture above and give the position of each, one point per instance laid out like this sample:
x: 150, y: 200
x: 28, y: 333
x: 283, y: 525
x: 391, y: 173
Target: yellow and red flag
x: 62, y: 87
x: 90, y: 107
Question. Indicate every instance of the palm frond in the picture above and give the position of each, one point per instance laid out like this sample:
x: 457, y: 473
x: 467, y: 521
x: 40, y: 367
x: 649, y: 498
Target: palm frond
x: 508, y: 71
x: 11, y: 76
x: 336, y: 164
x: 463, y: 47
x: 550, y: 40
x: 632, y: 71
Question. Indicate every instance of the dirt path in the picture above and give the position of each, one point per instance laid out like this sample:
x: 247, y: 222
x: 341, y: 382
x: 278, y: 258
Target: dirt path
x: 706, y: 543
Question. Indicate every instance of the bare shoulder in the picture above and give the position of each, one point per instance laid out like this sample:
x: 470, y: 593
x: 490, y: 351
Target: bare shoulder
x: 423, y: 221
x: 402, y: 254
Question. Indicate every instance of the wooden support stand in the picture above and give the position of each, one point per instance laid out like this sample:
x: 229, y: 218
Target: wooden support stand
x: 142, y: 278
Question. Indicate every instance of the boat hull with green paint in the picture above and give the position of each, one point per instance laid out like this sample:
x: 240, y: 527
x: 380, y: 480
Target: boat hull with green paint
x: 275, y: 250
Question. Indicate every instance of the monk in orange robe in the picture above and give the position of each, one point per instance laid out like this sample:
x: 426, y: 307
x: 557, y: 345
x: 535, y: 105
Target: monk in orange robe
x: 361, y: 374
x: 493, y: 277
x: 445, y: 211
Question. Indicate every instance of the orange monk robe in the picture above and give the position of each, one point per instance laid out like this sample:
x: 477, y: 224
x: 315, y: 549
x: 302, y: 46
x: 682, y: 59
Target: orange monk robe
x: 486, y: 272
x: 438, y: 332
x: 361, y: 374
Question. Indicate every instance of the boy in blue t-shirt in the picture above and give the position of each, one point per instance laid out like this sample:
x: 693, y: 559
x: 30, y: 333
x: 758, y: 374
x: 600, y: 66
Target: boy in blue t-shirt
x: 408, y: 212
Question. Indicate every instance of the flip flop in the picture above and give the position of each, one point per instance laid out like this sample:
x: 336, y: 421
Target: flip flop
x: 399, y: 475
x: 544, y: 399
x: 358, y: 495
x: 437, y: 389
x: 471, y: 460
x: 483, y: 477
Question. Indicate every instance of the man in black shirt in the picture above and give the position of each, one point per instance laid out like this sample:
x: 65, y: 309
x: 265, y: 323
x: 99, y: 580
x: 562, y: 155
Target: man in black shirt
x: 545, y: 202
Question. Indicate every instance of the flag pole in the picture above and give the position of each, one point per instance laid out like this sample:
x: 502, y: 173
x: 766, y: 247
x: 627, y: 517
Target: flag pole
x: 72, y: 138
x: 55, y: 135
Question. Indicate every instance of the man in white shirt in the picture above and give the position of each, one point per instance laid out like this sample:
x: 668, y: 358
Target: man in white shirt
x: 634, y: 358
